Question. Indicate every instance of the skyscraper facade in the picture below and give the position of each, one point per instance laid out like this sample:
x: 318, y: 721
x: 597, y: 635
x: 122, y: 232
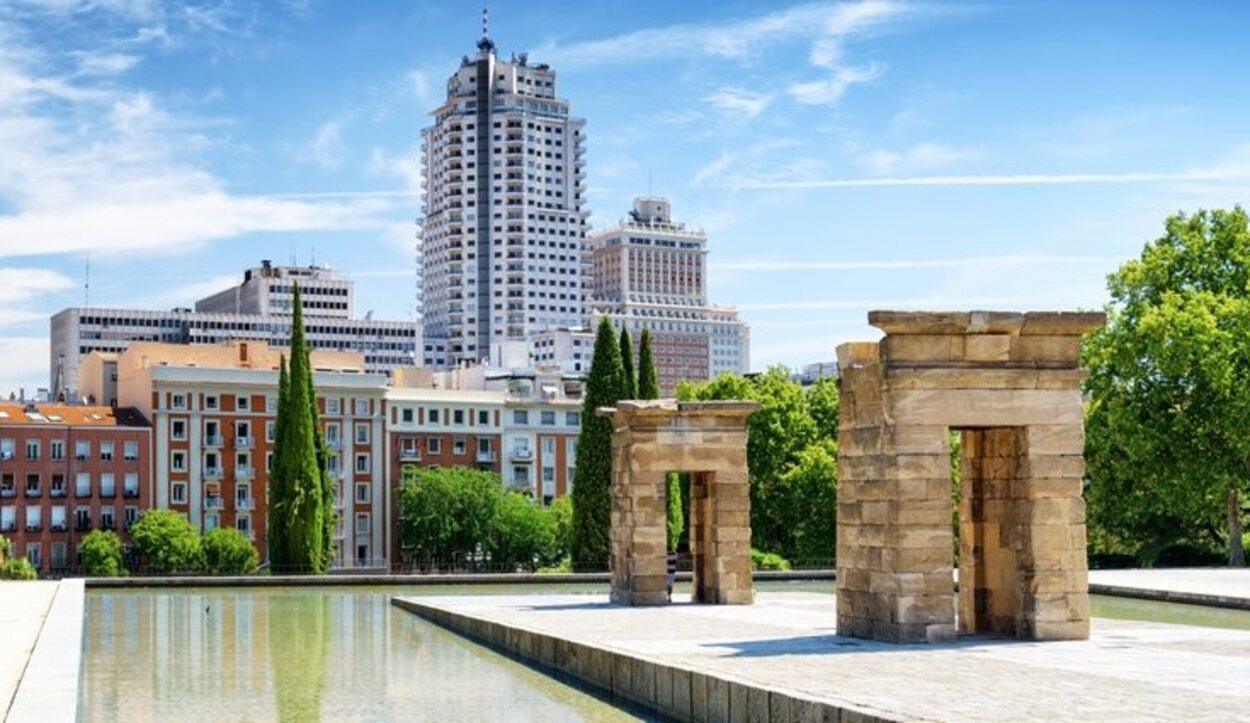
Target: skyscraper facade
x: 504, y: 251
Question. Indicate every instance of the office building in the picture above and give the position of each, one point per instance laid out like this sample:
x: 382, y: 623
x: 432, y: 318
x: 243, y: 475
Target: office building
x: 503, y: 250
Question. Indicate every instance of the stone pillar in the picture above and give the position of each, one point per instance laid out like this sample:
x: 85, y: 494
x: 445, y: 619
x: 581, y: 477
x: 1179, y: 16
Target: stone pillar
x: 708, y: 440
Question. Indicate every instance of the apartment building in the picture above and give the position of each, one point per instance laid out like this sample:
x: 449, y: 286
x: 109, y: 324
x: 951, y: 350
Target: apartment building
x: 503, y: 252
x: 212, y: 409
x: 67, y: 470
x: 650, y: 272
x: 257, y: 309
x: 541, y: 427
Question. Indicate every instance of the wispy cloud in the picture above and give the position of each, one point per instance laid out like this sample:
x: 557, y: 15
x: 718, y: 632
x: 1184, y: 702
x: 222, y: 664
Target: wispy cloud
x: 775, y: 266
x: 26, y: 359
x: 739, y: 103
x: 327, y: 147
x: 919, y: 156
x: 828, y: 91
x: 1019, y: 179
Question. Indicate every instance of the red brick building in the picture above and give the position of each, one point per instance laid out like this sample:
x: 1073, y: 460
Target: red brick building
x: 67, y: 470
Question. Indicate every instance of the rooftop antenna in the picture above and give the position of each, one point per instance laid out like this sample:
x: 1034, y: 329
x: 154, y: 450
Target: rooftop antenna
x: 314, y: 256
x: 86, y: 284
x: 485, y: 43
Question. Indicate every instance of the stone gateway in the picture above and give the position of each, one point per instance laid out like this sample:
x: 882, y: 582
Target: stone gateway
x: 1009, y: 385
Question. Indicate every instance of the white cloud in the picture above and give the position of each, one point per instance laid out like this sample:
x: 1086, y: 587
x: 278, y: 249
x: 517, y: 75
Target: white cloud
x: 106, y: 63
x: 19, y: 286
x: 25, y: 363
x: 1031, y: 260
x: 919, y: 156
x: 830, y: 90
x: 419, y: 82
x: 1019, y: 179
x: 739, y: 103
x: 326, y: 147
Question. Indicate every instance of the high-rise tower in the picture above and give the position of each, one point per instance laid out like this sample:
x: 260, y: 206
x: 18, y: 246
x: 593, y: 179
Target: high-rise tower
x: 504, y: 250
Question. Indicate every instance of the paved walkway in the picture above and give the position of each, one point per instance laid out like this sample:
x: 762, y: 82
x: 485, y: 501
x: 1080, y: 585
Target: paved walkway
x: 23, y: 607
x: 1217, y: 583
x: 787, y: 642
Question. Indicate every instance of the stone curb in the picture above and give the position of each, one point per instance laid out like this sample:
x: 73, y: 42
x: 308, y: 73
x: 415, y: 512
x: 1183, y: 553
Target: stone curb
x: 48, y: 690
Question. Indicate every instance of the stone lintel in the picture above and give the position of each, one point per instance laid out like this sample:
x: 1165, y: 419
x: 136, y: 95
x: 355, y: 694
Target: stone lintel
x: 666, y: 408
x: 1050, y: 323
x: 857, y: 353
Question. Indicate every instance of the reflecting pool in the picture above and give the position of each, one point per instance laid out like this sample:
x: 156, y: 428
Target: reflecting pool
x: 298, y: 654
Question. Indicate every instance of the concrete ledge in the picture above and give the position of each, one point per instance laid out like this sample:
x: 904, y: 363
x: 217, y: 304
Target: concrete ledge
x: 505, y: 578
x: 1171, y: 596
x: 48, y: 690
x: 671, y: 692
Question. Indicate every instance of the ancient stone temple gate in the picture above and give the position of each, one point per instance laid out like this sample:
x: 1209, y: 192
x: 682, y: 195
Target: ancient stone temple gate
x: 708, y: 440
x: 1009, y: 385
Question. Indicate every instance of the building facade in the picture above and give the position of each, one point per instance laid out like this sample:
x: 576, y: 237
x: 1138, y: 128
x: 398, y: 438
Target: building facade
x: 503, y: 250
x: 213, y: 408
x: 67, y: 470
x: 268, y: 290
x: 650, y: 272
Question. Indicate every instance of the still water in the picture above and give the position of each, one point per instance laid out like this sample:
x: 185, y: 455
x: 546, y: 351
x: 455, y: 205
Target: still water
x: 301, y: 654
x: 345, y: 654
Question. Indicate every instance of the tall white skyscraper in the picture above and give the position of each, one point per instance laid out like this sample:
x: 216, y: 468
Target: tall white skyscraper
x: 504, y: 250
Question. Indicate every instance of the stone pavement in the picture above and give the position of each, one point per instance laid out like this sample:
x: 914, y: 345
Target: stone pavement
x: 786, y: 643
x: 41, y: 626
x: 1226, y: 587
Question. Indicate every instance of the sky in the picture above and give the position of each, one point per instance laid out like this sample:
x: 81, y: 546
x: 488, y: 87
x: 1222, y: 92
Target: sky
x: 842, y: 156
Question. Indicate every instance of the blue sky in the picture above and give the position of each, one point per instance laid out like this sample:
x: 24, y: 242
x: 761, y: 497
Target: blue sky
x: 842, y: 155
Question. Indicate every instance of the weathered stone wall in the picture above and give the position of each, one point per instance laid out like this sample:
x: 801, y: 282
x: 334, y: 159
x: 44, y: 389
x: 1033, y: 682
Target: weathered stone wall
x: 709, y: 440
x: 1010, y: 383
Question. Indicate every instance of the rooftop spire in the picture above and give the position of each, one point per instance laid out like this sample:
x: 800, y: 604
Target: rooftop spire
x: 485, y: 44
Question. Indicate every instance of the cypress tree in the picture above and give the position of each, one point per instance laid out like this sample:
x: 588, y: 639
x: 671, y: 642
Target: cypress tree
x: 676, y: 520
x: 298, y: 512
x: 328, y: 513
x: 277, y: 508
x: 592, y: 477
x: 648, y: 382
x: 627, y: 363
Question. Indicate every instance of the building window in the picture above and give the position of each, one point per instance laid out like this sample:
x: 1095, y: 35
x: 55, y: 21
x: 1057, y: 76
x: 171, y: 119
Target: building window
x: 362, y: 407
x: 108, y: 485
x: 434, y: 445
x: 483, y: 417
x: 106, y: 451
x: 32, y: 484
x: 573, y: 419
x: 269, y: 461
x: 177, y: 429
x: 332, y: 405
x: 32, y: 449
x: 521, y: 475
x: 178, y: 492
x: 244, y: 524
x: 107, y: 522
x: 243, y: 433
x: 210, y: 401
x: 178, y: 401
x: 433, y: 416
x: 520, y: 416
x: 178, y: 461
x: 549, y: 447
x: 33, y: 554
x: 549, y: 475
x: 57, y: 451
x: 82, y: 450
x: 362, y: 492
x: 362, y: 523
x: 82, y: 484
x: 131, y: 516
x: 458, y: 446
x: 34, y: 519
x: 8, y: 485
x: 362, y: 433
x: 82, y: 519
x: 271, y: 403
x: 406, y: 415
x: 130, y: 484
x: 362, y: 463
x: 457, y: 416
x: 130, y: 451
x: 269, y: 427
x: 548, y: 419
x: 243, y: 403
x: 58, y: 485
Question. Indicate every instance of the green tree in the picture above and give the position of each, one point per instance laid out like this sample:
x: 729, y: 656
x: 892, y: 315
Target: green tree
x: 445, y: 514
x: 648, y: 381
x: 101, y: 554
x: 14, y: 568
x: 822, y: 405
x: 675, y: 522
x: 297, y: 503
x: 228, y: 552
x: 561, y: 512
x: 808, y: 497
x: 627, y: 366
x: 167, y: 543
x: 1167, y: 450
x: 521, y: 534
x: 592, y: 483
x: 275, y: 537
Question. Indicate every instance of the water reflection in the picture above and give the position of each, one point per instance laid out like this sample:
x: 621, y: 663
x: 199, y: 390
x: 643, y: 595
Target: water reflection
x: 297, y: 655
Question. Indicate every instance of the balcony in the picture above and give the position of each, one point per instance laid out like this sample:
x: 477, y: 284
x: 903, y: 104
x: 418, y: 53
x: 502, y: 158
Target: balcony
x: 522, y: 455
x: 130, y: 492
x: 107, y: 525
x: 34, y: 526
x: 213, y: 440
x: 243, y: 442
x: 8, y: 492
x: 486, y: 456
x: 56, y: 492
x: 244, y: 503
x: 59, y: 527
x: 32, y: 491
x: 213, y: 472
x: 409, y: 455
x: 83, y: 526
x: 214, y: 503
x: 107, y: 492
x: 243, y: 473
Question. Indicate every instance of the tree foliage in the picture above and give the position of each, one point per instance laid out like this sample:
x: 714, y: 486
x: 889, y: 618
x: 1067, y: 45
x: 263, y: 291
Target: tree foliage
x: 561, y: 512
x: 14, y: 568
x: 675, y: 520
x: 648, y: 380
x: 791, y: 457
x: 101, y: 554
x: 445, y: 514
x: 522, y: 533
x: 592, y: 477
x: 298, y: 481
x: 1167, y: 450
x: 228, y: 552
x: 627, y: 367
x: 167, y: 543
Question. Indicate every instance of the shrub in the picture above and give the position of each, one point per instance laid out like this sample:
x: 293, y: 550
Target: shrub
x: 768, y: 561
x: 521, y: 533
x: 18, y: 568
x: 167, y: 543
x: 228, y: 552
x: 101, y: 553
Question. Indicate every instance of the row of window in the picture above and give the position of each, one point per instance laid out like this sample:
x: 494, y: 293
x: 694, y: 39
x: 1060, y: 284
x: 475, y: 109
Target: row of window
x: 57, y: 521
x: 84, y: 484
x: 243, y: 403
x: 56, y: 450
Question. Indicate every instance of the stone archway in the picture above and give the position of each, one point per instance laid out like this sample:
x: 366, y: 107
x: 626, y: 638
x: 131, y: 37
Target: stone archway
x: 709, y: 441
x: 1009, y: 385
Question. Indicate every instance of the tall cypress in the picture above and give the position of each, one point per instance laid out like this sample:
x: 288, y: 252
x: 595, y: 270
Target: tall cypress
x: 328, y: 512
x: 277, y: 506
x: 648, y: 382
x: 627, y: 362
x: 299, y: 508
x: 592, y: 476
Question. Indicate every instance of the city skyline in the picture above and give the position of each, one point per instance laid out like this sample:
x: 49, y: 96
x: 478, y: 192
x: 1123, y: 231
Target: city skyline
x: 842, y: 156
